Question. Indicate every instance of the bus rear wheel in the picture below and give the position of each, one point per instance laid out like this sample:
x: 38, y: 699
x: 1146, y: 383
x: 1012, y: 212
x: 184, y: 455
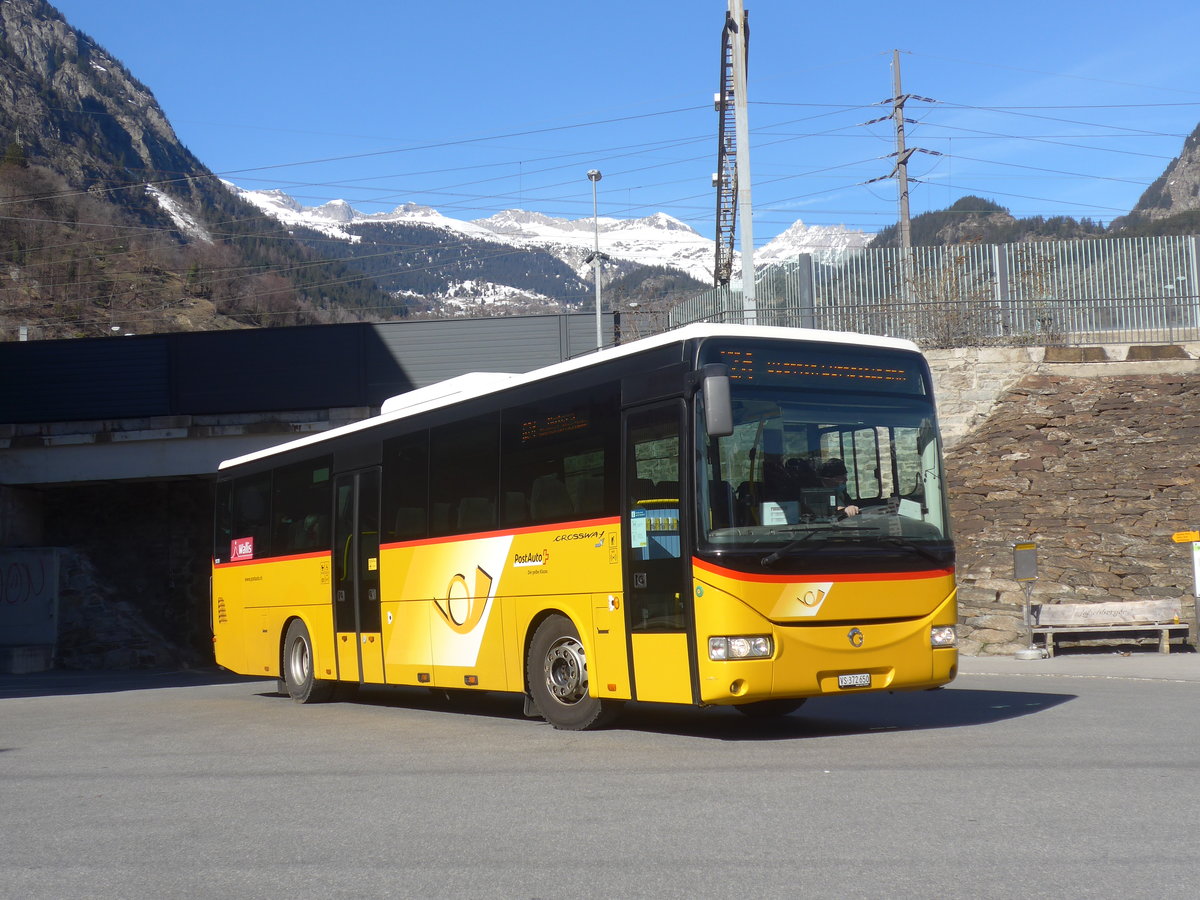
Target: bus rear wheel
x: 298, y: 675
x: 769, y: 709
x: 557, y: 674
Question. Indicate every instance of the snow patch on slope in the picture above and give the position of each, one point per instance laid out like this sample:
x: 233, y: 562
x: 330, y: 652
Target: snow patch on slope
x: 184, y: 221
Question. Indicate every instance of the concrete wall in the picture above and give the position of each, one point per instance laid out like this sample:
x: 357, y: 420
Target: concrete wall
x: 20, y: 517
x: 29, y: 596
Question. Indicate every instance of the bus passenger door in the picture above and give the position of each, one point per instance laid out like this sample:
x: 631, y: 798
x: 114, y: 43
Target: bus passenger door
x: 356, y: 615
x: 657, y: 580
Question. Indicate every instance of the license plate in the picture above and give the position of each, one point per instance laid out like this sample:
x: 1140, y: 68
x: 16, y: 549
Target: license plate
x: 856, y: 680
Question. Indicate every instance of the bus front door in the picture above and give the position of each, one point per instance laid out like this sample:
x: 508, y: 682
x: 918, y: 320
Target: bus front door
x: 356, y: 611
x: 657, y: 586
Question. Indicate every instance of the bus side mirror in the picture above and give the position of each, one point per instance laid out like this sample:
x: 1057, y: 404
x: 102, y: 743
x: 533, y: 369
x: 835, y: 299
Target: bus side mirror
x: 718, y: 407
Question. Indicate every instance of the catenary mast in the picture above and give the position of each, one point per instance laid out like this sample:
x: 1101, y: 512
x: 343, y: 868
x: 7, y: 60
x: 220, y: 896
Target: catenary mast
x: 733, y: 158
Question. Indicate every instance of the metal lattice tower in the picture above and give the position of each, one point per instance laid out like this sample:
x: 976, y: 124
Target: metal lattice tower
x: 725, y: 178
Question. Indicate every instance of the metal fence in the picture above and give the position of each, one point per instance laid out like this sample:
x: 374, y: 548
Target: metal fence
x: 1110, y: 290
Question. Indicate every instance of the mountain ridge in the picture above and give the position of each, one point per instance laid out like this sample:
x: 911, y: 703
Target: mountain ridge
x: 112, y: 225
x: 657, y: 240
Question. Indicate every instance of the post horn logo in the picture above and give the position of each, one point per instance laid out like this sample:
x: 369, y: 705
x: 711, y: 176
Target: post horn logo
x: 812, y: 598
x: 855, y: 637
x: 463, y: 608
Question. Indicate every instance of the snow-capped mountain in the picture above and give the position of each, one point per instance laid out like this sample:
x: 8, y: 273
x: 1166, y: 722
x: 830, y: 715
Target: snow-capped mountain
x: 828, y: 244
x: 657, y: 240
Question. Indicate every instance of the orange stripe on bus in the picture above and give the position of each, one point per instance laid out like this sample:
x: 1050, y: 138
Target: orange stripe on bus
x: 501, y: 532
x: 317, y: 554
x: 818, y: 576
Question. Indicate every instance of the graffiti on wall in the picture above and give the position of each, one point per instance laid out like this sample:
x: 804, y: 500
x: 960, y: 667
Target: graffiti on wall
x: 28, y: 596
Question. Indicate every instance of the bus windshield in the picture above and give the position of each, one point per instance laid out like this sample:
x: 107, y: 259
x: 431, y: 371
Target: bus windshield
x: 828, y: 470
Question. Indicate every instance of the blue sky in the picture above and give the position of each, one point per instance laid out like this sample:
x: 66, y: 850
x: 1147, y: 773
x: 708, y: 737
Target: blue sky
x: 1048, y: 108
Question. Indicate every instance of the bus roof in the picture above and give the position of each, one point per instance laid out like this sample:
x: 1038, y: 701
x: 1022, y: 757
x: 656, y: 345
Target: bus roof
x: 479, y: 384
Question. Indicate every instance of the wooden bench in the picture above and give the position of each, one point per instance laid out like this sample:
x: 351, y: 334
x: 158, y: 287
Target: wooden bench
x: 1099, y: 620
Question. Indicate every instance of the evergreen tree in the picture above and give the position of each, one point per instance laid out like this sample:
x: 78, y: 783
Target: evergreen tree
x: 14, y: 155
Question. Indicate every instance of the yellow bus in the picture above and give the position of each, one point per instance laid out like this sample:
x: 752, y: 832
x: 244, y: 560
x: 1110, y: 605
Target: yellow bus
x: 719, y: 515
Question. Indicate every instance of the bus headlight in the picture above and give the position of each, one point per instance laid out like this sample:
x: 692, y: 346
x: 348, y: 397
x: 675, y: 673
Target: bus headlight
x: 754, y: 646
x: 942, y: 636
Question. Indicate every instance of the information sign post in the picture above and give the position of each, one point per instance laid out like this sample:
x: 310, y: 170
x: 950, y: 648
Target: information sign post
x: 1025, y: 572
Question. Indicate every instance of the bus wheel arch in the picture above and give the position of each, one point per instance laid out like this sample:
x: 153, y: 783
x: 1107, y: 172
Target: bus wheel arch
x: 556, y: 676
x: 298, y: 666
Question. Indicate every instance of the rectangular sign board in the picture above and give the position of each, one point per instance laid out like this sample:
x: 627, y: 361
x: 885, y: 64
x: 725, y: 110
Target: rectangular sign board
x: 1025, y: 562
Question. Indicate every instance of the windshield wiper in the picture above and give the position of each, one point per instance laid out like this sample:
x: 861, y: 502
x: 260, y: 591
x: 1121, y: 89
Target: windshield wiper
x: 771, y: 558
x: 774, y: 557
x: 914, y: 547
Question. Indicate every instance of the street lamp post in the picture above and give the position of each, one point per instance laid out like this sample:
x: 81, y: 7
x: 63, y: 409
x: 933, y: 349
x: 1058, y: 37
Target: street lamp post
x: 594, y: 176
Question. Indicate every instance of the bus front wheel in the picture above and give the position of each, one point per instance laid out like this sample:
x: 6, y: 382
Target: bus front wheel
x: 298, y: 676
x: 557, y: 673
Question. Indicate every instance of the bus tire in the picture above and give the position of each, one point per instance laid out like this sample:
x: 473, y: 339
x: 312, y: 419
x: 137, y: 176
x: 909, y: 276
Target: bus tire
x: 557, y: 674
x: 769, y: 709
x: 302, y: 684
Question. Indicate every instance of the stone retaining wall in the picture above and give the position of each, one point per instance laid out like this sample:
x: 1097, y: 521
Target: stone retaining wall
x: 1095, y: 462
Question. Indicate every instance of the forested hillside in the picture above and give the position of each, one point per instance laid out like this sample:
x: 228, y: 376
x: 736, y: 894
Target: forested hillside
x: 974, y: 220
x: 108, y: 222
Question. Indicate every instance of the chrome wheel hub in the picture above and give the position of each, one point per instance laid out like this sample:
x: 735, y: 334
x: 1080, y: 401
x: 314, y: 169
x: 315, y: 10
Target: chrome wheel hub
x: 298, y: 662
x: 566, y: 671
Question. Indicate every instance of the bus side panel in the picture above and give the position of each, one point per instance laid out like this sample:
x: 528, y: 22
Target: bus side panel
x: 371, y: 653
x: 575, y: 569
x: 600, y: 622
x: 347, y: 656
x: 253, y: 604
x: 406, y: 649
x: 608, y: 661
x: 661, y: 663
x: 229, y: 621
x: 443, y: 605
x: 455, y: 608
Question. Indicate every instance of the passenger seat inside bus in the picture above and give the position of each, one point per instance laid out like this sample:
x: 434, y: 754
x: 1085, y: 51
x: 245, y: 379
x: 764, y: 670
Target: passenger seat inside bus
x: 410, y: 522
x: 476, y: 514
x: 516, y: 508
x: 591, y: 495
x: 550, y: 500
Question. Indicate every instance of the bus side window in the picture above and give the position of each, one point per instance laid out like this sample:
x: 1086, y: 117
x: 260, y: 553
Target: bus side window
x: 252, y: 516
x: 560, y: 457
x: 406, y: 487
x: 301, y: 507
x: 464, y: 474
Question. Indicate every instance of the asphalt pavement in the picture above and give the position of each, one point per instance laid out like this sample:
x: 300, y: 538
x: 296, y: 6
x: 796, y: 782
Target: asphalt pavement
x: 1142, y: 664
x: 1070, y: 777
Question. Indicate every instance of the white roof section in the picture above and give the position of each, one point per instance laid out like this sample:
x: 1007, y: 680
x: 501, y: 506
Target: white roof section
x: 479, y: 384
x: 457, y: 388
